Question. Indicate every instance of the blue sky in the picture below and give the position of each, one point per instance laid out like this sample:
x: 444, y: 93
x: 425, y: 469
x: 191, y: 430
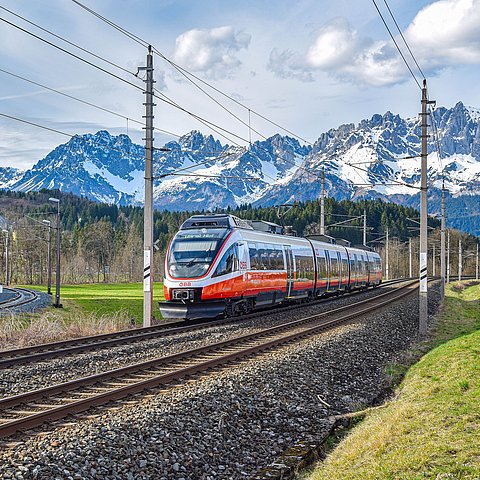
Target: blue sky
x: 308, y: 65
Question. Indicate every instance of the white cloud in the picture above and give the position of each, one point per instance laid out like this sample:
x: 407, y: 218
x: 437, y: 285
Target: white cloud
x: 443, y: 34
x: 213, y: 52
x: 447, y: 31
x: 334, y: 46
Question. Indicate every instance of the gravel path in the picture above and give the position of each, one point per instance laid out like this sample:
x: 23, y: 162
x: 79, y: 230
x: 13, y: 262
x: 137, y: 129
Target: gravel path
x: 234, y: 422
x: 23, y: 378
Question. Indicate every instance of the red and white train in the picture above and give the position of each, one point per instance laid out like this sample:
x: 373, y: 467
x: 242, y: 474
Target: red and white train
x: 220, y: 265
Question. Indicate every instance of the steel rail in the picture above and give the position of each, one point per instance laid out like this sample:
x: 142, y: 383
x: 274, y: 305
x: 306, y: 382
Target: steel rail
x: 18, y: 301
x: 9, y: 358
x: 17, y: 295
x: 268, y: 338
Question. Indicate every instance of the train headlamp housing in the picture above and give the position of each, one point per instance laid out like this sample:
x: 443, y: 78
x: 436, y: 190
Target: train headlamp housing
x: 183, y: 294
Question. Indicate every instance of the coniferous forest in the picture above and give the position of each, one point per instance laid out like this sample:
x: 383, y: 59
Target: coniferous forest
x: 103, y: 243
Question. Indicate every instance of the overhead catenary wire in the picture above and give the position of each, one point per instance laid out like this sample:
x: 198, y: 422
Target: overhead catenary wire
x: 73, y: 54
x: 85, y: 102
x: 187, y: 73
x: 68, y: 41
x: 404, y: 40
x: 44, y: 127
x: 166, y: 99
x: 396, y: 45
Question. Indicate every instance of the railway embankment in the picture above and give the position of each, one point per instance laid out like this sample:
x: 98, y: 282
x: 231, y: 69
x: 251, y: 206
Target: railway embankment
x: 228, y: 424
x: 431, y: 427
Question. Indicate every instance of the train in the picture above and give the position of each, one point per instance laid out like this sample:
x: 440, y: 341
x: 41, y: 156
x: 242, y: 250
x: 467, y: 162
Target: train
x: 221, y: 265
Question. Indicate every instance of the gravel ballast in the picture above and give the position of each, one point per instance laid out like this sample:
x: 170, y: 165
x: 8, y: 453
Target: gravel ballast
x: 43, y: 300
x: 234, y: 422
x: 23, y: 378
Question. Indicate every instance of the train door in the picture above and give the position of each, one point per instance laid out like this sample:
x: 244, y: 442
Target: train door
x: 290, y: 269
x: 363, y: 267
x: 322, y: 272
x: 355, y: 263
x: 329, y: 269
x: 369, y: 269
x: 340, y: 270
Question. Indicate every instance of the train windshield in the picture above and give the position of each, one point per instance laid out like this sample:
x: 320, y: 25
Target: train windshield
x: 193, y: 251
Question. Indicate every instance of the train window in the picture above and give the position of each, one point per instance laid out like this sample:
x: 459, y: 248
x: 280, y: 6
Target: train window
x: 262, y: 250
x: 280, y: 265
x: 275, y: 257
x: 305, y: 268
x: 191, y: 253
x: 322, y: 268
x: 272, y: 257
x: 345, y: 264
x: 333, y: 265
x: 253, y: 254
x: 228, y: 263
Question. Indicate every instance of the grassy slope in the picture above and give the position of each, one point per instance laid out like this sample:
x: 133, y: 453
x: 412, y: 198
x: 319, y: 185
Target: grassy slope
x: 432, y: 430
x: 109, y: 298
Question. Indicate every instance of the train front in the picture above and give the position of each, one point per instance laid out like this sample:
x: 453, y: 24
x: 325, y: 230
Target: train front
x: 188, y: 269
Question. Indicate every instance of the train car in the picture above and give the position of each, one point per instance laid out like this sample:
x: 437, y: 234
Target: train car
x: 220, y: 265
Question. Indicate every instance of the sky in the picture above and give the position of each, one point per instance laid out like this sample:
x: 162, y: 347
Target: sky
x: 307, y: 65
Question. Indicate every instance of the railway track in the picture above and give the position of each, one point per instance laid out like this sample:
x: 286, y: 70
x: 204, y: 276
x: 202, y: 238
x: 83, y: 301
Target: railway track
x: 9, y: 358
x: 32, y: 409
x: 22, y: 296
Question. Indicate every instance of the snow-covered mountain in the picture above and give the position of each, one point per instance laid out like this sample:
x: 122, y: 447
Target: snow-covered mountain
x: 9, y: 176
x: 379, y: 157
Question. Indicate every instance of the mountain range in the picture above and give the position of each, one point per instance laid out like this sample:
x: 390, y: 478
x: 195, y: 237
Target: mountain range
x: 378, y: 158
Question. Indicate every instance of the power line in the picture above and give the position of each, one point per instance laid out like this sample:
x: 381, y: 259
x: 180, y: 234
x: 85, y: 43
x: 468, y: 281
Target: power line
x: 187, y: 74
x: 224, y: 155
x: 404, y: 41
x: 396, y: 44
x: 36, y: 124
x: 161, y: 96
x: 85, y: 102
x: 73, y: 55
x: 114, y: 25
x: 378, y: 176
x: 67, y: 41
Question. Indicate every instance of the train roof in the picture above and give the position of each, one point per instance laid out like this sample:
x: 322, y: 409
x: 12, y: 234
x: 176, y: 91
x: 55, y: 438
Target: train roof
x: 215, y: 220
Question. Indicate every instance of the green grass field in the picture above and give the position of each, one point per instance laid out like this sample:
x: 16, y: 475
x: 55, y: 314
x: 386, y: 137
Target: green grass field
x: 432, y: 430
x: 107, y: 298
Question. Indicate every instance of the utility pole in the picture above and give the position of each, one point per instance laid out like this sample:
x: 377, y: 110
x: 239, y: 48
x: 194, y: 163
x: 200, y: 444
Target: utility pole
x: 433, y: 261
x: 387, y: 273
x: 322, y: 204
x: 459, y: 259
x: 476, y: 265
x: 148, y: 204
x: 442, y: 244
x: 410, y: 257
x: 423, y: 304
x: 448, y: 256
x: 364, y: 226
x: 49, y: 257
x: 57, y: 303
x: 7, y: 266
